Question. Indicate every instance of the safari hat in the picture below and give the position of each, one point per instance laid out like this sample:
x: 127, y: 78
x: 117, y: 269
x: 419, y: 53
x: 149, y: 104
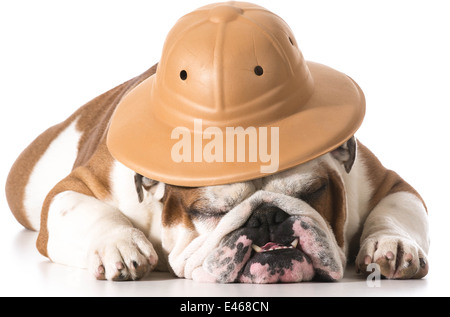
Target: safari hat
x: 232, y: 99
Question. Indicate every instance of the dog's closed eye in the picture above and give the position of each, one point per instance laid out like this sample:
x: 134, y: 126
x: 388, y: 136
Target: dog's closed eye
x: 203, y: 208
x: 313, y: 192
x: 203, y: 213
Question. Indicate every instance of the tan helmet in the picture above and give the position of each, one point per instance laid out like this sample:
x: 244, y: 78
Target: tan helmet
x: 232, y: 100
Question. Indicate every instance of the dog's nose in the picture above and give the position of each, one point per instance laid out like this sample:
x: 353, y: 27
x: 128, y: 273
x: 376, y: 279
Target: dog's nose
x: 266, y: 216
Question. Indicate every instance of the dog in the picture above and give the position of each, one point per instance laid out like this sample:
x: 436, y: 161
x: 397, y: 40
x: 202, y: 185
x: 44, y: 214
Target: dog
x: 300, y: 224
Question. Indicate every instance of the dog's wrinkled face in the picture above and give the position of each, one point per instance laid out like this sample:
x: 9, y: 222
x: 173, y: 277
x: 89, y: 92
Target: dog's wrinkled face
x: 287, y: 227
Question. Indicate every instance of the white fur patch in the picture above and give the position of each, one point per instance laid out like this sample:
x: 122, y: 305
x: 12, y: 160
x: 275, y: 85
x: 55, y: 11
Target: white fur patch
x: 358, y: 192
x: 55, y: 164
x: 75, y: 221
x: 401, y: 214
x: 146, y: 216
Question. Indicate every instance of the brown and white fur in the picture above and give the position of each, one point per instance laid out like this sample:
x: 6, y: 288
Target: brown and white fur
x: 93, y: 212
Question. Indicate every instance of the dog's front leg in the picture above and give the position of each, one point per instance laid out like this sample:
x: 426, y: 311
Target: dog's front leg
x: 86, y: 232
x: 395, y: 236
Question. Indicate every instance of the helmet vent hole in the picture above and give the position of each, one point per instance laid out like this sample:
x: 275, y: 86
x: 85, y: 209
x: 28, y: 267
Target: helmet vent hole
x: 259, y: 71
x: 290, y: 40
x: 183, y: 75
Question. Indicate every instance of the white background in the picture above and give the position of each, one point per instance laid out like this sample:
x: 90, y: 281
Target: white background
x: 57, y: 55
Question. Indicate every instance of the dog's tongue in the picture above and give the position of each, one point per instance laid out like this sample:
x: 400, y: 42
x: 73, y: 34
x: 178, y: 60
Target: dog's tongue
x: 271, y: 246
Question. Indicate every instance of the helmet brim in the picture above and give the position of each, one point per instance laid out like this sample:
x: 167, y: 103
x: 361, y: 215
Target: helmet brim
x: 143, y: 141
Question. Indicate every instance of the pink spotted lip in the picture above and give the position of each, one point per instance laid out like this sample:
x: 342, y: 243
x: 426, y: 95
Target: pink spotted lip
x: 271, y: 246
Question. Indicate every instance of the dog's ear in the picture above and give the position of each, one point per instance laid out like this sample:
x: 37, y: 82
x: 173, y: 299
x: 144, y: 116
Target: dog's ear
x: 141, y: 183
x: 346, y: 154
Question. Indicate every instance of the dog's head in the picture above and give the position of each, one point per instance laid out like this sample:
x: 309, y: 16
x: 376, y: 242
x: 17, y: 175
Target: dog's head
x: 286, y: 227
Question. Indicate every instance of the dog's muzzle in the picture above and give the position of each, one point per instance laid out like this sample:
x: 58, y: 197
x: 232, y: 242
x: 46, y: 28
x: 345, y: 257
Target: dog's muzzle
x: 265, y: 249
x: 273, y: 238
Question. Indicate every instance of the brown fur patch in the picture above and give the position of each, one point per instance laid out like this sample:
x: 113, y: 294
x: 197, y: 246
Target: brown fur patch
x: 177, y: 201
x: 331, y: 204
x: 383, y: 181
x: 91, y: 170
x: 20, y: 172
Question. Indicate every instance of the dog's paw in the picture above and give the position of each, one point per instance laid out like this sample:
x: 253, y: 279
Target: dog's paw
x: 397, y: 257
x: 127, y: 255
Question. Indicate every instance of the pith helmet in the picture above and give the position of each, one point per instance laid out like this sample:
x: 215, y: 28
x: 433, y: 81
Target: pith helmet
x: 232, y: 99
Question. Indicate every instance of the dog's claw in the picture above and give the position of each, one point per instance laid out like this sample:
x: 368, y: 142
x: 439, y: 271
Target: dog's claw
x: 389, y: 255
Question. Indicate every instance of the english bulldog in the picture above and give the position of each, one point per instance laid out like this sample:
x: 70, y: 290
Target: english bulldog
x: 300, y: 224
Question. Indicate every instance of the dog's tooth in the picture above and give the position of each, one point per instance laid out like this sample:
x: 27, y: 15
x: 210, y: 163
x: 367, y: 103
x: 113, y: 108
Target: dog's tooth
x: 256, y: 248
x: 294, y: 243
